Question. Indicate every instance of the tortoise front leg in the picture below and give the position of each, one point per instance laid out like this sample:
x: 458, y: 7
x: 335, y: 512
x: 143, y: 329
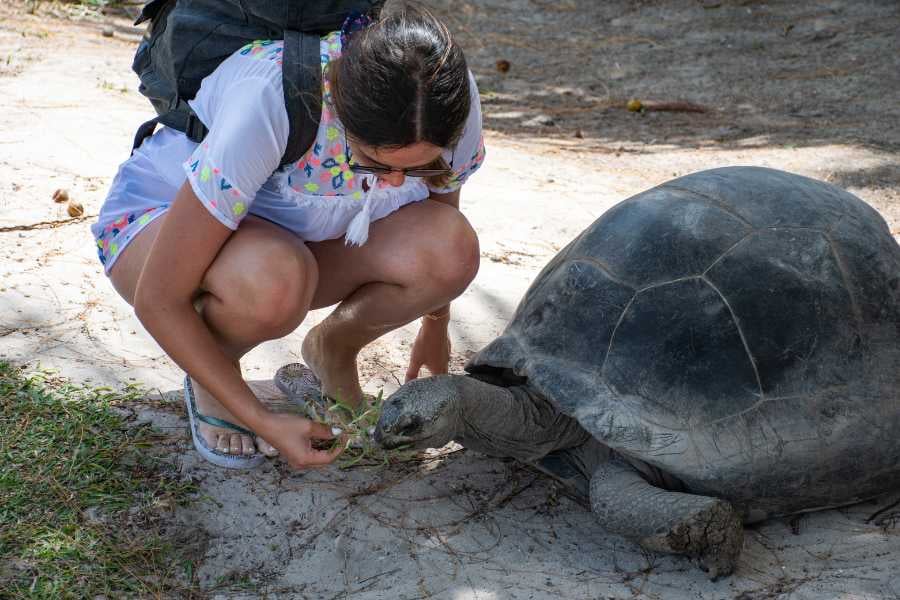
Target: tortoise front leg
x: 701, y: 527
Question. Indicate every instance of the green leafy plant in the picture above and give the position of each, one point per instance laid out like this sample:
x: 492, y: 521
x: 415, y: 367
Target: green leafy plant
x: 358, y: 426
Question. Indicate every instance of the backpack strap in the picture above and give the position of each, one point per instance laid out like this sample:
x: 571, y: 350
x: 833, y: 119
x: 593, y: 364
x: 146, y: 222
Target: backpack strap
x: 302, y: 75
x: 181, y: 117
x: 143, y: 132
x: 302, y: 82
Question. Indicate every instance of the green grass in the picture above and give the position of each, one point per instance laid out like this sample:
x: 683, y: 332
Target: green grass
x: 358, y: 425
x: 81, y: 494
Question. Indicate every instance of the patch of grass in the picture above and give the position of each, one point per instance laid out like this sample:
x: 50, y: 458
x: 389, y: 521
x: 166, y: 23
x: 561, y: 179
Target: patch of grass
x: 112, y: 87
x: 82, y: 493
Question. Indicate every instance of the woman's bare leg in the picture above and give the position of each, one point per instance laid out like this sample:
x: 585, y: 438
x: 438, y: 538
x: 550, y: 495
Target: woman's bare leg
x: 258, y: 288
x: 415, y: 261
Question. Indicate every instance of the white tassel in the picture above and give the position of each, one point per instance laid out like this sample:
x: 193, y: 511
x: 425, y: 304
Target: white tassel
x: 358, y: 230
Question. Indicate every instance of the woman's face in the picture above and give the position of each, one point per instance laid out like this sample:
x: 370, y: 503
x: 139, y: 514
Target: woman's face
x: 415, y: 156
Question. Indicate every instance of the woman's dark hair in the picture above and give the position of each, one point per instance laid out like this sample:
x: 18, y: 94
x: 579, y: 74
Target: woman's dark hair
x: 401, y: 80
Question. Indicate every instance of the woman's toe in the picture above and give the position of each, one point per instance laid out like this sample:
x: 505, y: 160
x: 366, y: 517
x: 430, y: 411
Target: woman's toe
x: 266, y: 448
x: 247, y: 444
x: 211, y: 438
x: 234, y: 444
x: 222, y: 443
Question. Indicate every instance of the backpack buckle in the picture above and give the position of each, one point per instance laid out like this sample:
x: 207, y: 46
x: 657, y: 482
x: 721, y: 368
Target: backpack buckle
x: 194, y: 128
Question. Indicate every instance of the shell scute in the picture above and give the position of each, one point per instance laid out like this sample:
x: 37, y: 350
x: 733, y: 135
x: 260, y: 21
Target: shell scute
x: 659, y: 236
x: 679, y: 351
x: 790, y: 301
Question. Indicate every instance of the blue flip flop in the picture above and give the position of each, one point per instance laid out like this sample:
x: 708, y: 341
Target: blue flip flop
x: 220, y: 459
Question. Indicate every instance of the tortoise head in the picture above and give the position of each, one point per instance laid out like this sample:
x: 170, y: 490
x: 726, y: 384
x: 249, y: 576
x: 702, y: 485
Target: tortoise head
x: 423, y: 413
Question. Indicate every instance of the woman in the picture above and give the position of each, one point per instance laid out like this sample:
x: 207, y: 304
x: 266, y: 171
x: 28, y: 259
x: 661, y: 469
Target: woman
x: 218, y: 252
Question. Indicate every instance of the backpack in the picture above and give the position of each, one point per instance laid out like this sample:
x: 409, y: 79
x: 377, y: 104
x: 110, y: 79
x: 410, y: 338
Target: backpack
x: 187, y: 39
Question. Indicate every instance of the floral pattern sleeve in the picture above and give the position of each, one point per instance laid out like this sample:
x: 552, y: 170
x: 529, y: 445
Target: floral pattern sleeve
x: 468, y: 154
x: 244, y: 146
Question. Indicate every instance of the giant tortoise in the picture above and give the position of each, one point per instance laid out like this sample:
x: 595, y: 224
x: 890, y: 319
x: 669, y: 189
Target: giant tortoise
x: 720, y: 349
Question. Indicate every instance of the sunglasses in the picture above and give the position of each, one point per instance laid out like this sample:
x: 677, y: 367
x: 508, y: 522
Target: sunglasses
x: 373, y: 170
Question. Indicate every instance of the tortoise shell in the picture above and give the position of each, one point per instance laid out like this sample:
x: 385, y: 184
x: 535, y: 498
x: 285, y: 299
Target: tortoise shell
x: 737, y: 328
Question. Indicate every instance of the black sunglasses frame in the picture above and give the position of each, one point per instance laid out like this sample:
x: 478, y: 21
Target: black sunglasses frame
x: 373, y: 170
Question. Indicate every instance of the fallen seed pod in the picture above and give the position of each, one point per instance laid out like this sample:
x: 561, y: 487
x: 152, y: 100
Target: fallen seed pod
x: 75, y: 209
x: 61, y: 195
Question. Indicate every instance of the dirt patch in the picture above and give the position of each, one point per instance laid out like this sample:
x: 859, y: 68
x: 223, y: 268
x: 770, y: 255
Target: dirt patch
x: 769, y: 73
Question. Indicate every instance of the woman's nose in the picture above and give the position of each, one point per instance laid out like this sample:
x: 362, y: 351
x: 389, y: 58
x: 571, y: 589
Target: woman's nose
x: 394, y: 178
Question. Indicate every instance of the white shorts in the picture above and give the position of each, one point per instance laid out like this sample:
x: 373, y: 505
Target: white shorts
x: 146, y: 185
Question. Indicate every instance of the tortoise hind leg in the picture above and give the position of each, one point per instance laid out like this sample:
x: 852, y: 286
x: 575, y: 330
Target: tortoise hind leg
x: 707, y: 529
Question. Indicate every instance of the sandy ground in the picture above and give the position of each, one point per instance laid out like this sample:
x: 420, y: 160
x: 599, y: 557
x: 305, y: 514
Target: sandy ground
x: 812, y: 90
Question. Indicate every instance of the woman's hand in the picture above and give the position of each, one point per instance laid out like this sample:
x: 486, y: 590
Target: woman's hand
x: 293, y: 436
x: 431, y: 349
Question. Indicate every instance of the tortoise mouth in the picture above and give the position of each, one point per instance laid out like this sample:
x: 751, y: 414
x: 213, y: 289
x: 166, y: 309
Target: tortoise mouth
x: 388, y: 441
x: 407, y: 432
x: 393, y: 442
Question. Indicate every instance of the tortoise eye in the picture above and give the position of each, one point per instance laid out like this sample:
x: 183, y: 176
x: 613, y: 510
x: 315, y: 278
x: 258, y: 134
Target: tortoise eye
x: 411, y: 426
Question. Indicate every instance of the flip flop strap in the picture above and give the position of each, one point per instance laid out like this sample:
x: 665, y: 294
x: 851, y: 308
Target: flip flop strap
x: 216, y: 422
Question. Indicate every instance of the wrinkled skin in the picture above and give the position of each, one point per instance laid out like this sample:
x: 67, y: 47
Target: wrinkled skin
x: 494, y: 420
x: 424, y: 413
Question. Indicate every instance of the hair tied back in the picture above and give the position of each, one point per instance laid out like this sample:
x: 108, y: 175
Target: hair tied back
x: 355, y: 21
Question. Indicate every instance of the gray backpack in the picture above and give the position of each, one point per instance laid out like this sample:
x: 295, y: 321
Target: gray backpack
x: 187, y: 39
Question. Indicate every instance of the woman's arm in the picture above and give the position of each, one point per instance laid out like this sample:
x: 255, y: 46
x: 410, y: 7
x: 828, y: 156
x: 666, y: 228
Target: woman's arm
x: 187, y: 243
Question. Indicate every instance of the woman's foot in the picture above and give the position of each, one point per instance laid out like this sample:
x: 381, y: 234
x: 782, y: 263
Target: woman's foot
x: 334, y: 366
x: 223, y: 440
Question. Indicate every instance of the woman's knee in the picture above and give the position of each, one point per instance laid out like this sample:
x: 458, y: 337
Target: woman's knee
x: 453, y: 253
x: 271, y: 288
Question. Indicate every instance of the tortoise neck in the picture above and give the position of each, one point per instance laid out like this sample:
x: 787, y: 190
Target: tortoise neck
x: 512, y: 421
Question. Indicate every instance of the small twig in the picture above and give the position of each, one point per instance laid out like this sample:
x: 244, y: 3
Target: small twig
x: 489, y: 506
x: 817, y: 74
x: 391, y: 572
x: 45, y: 224
x: 883, y: 510
x: 646, y: 105
x: 374, y: 488
x: 673, y: 106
